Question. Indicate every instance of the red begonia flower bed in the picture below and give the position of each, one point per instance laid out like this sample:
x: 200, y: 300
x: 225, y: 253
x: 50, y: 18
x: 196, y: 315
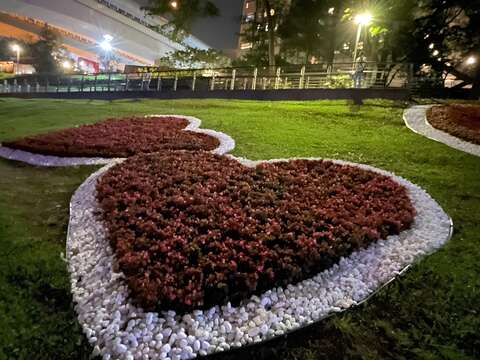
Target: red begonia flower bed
x: 462, y: 121
x: 118, y: 138
x: 192, y: 230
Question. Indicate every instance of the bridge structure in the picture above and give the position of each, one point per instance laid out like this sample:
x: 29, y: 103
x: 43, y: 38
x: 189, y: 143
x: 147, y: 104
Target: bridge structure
x: 82, y: 25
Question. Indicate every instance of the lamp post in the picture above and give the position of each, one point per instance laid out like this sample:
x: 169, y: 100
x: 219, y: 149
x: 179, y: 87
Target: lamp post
x: 361, y: 20
x: 106, y: 46
x: 17, y: 49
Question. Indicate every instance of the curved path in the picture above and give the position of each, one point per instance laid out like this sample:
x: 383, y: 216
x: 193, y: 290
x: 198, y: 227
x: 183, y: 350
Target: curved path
x: 416, y: 120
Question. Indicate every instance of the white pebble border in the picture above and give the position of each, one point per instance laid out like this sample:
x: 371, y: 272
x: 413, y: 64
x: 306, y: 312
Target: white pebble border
x: 416, y: 120
x: 117, y: 329
x: 226, y: 144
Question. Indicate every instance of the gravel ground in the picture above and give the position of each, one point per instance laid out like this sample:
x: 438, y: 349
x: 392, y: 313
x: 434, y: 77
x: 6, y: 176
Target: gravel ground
x: 226, y: 144
x: 117, y: 328
x: 416, y: 120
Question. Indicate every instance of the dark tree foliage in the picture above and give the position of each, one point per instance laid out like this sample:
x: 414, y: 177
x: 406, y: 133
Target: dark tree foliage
x: 311, y: 28
x: 44, y: 51
x: 446, y: 33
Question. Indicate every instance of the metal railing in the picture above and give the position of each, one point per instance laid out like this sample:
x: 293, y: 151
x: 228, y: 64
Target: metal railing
x: 336, y: 76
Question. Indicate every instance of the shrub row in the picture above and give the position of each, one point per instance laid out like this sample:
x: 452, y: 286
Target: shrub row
x: 462, y: 121
x: 191, y: 230
x: 118, y: 138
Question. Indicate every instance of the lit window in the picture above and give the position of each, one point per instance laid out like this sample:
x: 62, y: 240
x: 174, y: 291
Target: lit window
x: 245, y: 46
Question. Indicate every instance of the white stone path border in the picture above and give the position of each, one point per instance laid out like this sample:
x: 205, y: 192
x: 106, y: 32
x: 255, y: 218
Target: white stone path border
x: 226, y: 144
x: 416, y: 120
x: 118, y: 329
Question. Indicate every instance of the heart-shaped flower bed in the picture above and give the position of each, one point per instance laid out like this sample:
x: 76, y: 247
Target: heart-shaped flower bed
x: 193, y: 230
x: 114, y: 138
x: 460, y: 120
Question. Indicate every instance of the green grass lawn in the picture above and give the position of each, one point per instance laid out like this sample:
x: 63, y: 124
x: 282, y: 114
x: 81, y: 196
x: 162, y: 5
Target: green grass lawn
x: 430, y: 313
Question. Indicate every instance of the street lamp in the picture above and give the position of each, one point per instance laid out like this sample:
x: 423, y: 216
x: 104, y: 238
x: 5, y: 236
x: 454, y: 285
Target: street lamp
x: 106, y: 46
x: 174, y: 4
x: 361, y: 20
x: 17, y: 49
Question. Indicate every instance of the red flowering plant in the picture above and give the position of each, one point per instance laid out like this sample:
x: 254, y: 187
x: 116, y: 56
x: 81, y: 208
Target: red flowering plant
x: 192, y: 230
x: 460, y: 120
x: 118, y: 138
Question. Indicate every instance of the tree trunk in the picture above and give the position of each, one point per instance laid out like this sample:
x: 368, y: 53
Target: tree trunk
x: 330, y: 57
x: 476, y: 85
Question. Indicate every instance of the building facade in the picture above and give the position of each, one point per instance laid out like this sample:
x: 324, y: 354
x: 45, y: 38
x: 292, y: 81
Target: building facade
x: 82, y: 25
x: 254, y: 23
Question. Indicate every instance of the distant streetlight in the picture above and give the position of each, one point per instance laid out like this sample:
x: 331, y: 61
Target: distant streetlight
x: 17, y: 49
x: 361, y: 20
x: 174, y: 4
x: 471, y: 60
x: 66, y: 65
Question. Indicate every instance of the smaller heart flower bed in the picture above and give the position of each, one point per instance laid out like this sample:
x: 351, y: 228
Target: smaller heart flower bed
x: 193, y: 230
x: 118, y: 138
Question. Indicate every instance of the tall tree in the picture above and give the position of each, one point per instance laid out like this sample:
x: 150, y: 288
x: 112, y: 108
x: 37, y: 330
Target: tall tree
x: 440, y: 35
x: 46, y: 52
x: 449, y: 30
x: 312, y: 28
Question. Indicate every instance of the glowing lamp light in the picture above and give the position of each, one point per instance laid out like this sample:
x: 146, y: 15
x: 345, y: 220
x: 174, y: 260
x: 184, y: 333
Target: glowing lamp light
x: 331, y: 10
x: 174, y: 4
x: 363, y: 19
x: 16, y: 48
x: 471, y: 60
x: 66, y: 64
x: 435, y: 53
x: 106, y: 44
x: 431, y: 46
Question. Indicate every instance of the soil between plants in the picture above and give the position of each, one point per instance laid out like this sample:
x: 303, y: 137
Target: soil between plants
x: 193, y: 230
x: 462, y: 121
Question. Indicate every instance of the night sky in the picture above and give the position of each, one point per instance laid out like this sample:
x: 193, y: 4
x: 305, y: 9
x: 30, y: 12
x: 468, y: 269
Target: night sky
x: 219, y: 32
